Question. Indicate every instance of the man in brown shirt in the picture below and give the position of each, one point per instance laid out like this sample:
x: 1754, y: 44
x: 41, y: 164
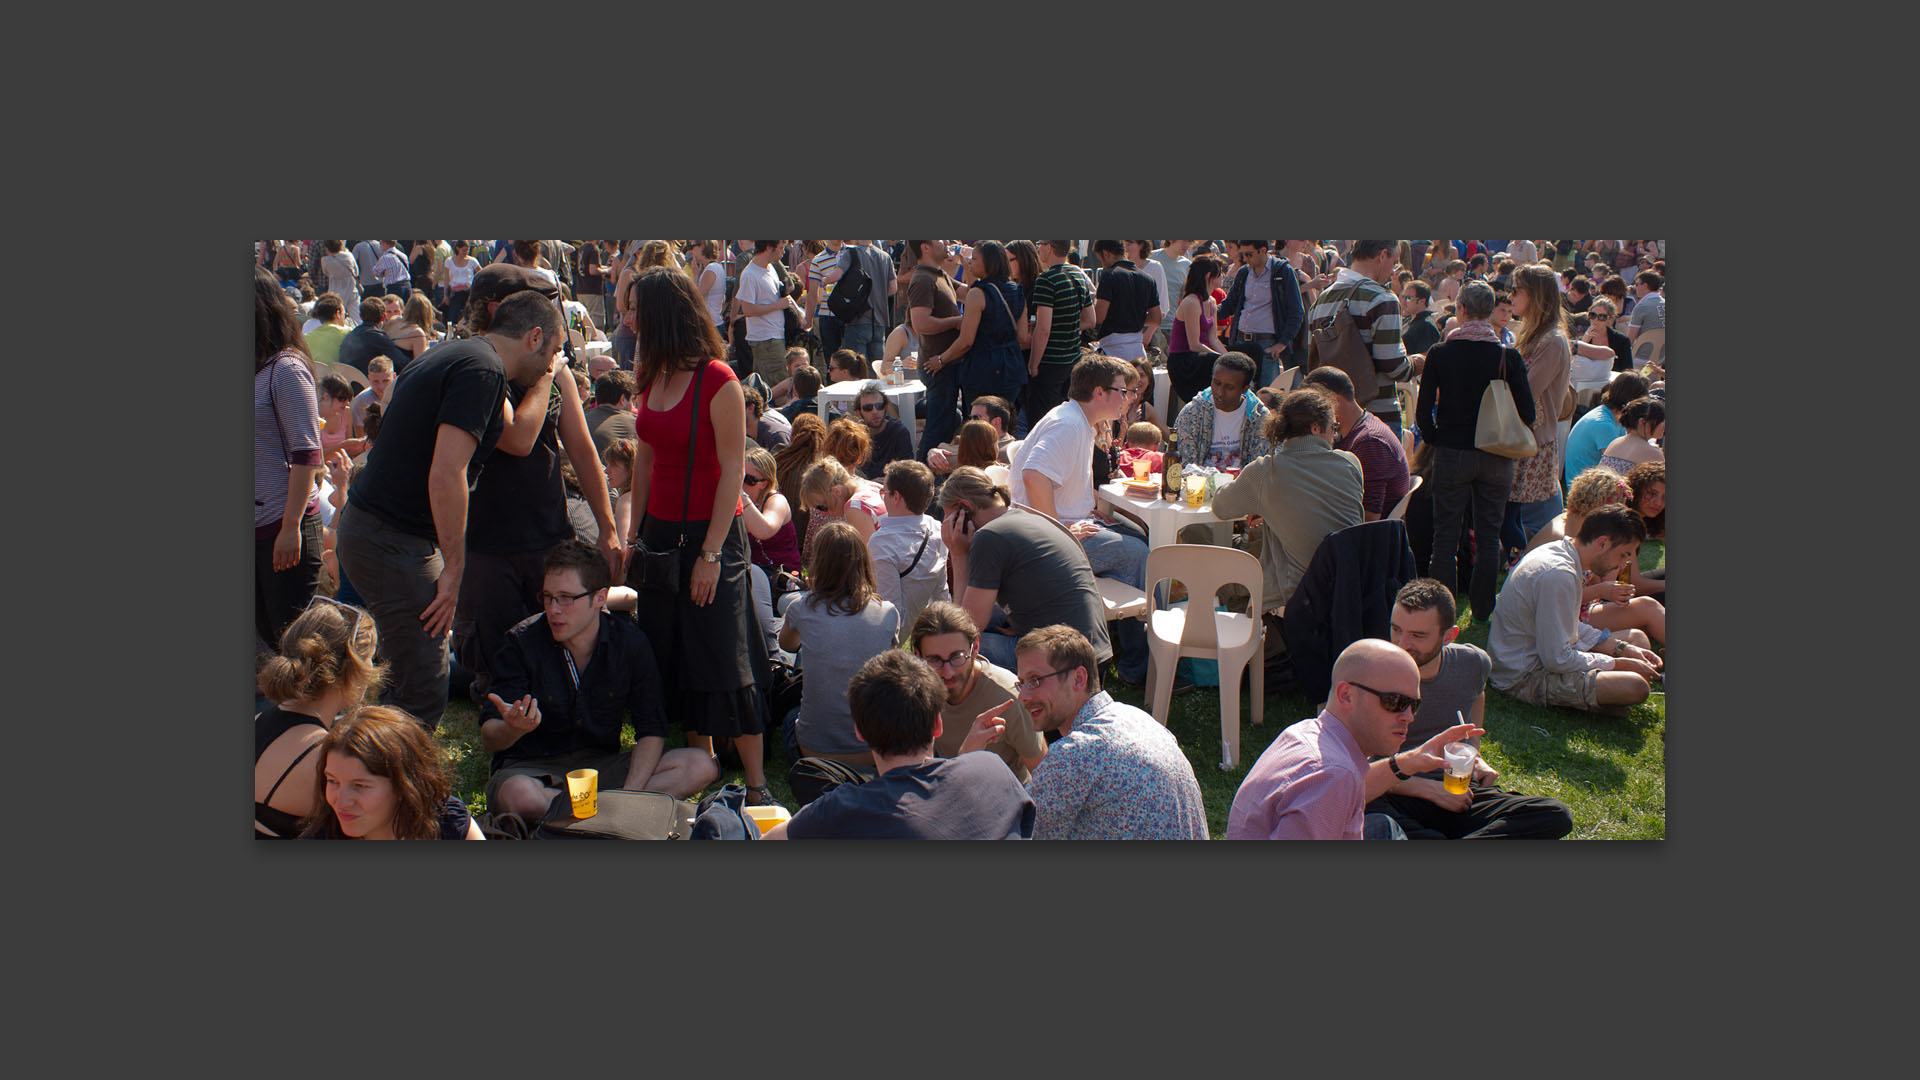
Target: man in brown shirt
x: 934, y: 316
x: 945, y: 636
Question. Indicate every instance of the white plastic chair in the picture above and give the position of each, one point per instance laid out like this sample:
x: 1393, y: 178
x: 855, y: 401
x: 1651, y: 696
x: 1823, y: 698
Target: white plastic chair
x: 1400, y: 508
x: 1231, y: 639
x: 1649, y: 347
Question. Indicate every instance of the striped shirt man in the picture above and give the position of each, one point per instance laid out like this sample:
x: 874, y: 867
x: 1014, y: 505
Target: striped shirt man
x: 1376, y: 313
x: 391, y: 268
x: 818, y: 268
x: 1064, y: 289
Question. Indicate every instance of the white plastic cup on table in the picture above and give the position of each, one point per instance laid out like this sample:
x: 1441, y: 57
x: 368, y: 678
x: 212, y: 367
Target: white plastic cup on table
x: 1460, y: 757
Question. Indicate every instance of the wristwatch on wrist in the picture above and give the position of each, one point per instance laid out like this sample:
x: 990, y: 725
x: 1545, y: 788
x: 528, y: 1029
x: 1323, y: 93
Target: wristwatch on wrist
x: 1394, y: 763
x: 710, y: 556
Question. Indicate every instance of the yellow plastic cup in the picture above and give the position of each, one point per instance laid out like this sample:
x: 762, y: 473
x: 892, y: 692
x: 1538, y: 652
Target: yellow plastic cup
x: 765, y: 818
x: 583, y: 787
x: 1196, y: 491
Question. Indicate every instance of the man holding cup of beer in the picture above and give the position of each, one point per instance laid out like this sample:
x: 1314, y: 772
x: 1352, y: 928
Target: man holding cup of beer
x: 1314, y: 781
x: 1453, y: 687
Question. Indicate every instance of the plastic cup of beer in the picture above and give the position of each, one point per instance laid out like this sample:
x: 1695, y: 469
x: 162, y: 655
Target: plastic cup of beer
x: 583, y: 787
x: 1196, y: 491
x: 765, y: 818
x: 1460, y: 757
x: 1141, y: 466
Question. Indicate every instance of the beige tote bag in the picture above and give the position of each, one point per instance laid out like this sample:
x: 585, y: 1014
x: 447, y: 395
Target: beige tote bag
x: 1499, y: 430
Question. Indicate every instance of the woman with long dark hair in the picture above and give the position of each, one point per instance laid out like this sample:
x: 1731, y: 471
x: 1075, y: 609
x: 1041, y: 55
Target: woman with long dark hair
x: 287, y: 460
x: 1194, y: 342
x: 992, y: 346
x: 697, y: 618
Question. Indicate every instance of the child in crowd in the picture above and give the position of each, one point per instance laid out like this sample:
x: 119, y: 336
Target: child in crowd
x: 1142, y: 440
x: 619, y: 462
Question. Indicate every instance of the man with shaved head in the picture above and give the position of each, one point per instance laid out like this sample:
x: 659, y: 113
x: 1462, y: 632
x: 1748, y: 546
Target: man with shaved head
x: 1313, y: 782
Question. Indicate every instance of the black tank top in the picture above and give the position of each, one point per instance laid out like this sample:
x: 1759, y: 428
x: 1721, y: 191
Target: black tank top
x: 267, y: 727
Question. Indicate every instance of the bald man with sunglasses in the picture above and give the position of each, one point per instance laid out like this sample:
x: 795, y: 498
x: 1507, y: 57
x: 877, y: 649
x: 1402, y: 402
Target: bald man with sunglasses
x: 1314, y: 782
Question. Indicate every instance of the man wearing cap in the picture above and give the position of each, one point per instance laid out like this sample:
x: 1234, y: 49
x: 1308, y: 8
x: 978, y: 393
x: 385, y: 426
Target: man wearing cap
x: 518, y: 509
x: 402, y: 534
x: 1313, y: 782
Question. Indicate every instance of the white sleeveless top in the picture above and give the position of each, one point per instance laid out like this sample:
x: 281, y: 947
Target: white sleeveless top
x: 716, y: 295
x: 461, y: 277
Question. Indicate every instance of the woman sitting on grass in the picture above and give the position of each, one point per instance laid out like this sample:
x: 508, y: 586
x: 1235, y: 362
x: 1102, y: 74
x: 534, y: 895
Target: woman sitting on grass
x: 325, y: 665
x: 842, y: 622
x: 1645, y: 420
x: 382, y: 778
x: 1607, y: 604
x: 833, y: 494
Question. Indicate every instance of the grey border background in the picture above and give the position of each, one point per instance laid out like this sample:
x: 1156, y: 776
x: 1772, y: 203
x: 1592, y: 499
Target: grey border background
x: 1184, y: 926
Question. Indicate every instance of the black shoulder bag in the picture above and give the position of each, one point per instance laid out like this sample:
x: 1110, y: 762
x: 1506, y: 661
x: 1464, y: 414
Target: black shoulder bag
x: 660, y: 571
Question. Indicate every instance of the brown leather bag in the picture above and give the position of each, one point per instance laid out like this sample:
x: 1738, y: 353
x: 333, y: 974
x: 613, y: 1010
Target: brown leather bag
x: 1339, y: 344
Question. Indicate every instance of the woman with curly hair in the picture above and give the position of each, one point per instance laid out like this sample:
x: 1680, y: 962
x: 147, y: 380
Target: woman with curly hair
x: 382, y: 778
x: 1649, y: 483
x: 325, y: 665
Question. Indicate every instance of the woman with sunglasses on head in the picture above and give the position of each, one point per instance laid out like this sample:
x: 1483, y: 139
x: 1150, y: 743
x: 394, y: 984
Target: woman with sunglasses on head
x: 325, y: 666
x: 689, y: 554
x: 382, y: 777
x: 841, y: 621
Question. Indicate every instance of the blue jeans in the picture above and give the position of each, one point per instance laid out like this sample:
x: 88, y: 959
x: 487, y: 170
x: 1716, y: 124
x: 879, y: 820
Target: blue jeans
x: 1382, y: 827
x: 866, y: 337
x: 1525, y: 519
x: 831, y: 330
x: 941, y: 406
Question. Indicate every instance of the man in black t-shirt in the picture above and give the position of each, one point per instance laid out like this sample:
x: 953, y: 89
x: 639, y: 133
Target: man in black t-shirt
x: 518, y: 510
x: 895, y: 699
x: 402, y: 534
x: 611, y: 418
x: 1126, y: 303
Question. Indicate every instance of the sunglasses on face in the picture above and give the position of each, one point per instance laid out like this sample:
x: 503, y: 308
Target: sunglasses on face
x: 1393, y: 703
x: 755, y: 481
x: 874, y: 406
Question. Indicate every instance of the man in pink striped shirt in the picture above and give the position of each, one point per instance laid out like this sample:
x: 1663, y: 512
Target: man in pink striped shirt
x: 1313, y: 782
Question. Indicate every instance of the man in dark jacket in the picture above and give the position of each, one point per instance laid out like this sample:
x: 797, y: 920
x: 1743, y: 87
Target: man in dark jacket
x: 366, y: 341
x: 1265, y: 320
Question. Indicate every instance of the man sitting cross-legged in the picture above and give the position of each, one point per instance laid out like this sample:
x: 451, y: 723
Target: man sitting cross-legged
x: 560, y: 683
x: 1453, y: 684
x: 896, y: 699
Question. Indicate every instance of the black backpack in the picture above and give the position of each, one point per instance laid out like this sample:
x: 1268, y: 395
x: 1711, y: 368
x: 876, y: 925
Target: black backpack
x: 852, y: 291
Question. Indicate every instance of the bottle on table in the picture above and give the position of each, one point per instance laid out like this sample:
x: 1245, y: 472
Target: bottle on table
x: 1170, y: 469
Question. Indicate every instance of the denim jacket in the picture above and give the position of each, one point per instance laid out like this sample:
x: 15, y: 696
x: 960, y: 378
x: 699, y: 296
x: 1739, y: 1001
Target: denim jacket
x: 1289, y: 313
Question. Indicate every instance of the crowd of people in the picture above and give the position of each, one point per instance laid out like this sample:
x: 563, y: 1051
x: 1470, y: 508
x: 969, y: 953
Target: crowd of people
x: 591, y: 485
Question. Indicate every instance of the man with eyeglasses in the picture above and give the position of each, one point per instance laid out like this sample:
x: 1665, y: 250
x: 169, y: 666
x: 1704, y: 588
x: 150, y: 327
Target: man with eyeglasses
x: 1453, y: 686
x: 562, y: 681
x: 1052, y: 472
x: 891, y: 441
x: 1115, y: 773
x: 945, y: 636
x: 1313, y: 781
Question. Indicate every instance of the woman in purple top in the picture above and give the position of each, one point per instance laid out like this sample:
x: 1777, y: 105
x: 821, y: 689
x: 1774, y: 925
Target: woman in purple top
x: 286, y: 462
x: 1194, y: 341
x: 768, y: 516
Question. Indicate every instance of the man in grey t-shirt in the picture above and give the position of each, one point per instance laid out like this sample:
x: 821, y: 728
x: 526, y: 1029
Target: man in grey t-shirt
x: 1008, y: 557
x: 1453, y: 685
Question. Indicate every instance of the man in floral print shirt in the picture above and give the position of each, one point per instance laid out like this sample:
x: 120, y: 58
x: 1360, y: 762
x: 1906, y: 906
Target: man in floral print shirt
x: 1115, y: 773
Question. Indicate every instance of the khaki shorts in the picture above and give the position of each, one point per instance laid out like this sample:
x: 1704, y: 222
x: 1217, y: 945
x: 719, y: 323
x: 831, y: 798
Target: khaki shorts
x: 552, y: 771
x: 770, y: 360
x: 1539, y: 686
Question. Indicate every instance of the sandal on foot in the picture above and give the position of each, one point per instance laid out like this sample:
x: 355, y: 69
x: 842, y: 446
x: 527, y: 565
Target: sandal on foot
x: 761, y: 796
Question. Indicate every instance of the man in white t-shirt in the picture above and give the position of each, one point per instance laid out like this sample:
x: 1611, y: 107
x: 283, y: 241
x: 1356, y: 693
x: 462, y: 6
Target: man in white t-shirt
x: 1053, y: 472
x: 758, y: 299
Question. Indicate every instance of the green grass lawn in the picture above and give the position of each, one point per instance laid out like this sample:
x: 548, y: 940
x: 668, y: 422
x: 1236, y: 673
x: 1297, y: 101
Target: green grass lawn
x: 1611, y: 774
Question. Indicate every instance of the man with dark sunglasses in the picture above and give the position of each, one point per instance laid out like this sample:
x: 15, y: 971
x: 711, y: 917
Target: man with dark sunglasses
x: 1314, y: 782
x: 890, y: 438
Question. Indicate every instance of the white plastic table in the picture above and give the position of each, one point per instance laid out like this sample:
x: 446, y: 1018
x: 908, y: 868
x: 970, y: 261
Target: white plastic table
x: 905, y: 398
x: 1164, y: 519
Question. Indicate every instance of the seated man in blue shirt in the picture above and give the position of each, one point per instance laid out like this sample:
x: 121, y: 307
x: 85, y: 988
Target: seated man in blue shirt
x: 896, y: 698
x: 560, y: 683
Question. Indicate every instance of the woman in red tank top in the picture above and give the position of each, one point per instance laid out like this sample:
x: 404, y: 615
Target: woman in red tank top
x: 701, y: 630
